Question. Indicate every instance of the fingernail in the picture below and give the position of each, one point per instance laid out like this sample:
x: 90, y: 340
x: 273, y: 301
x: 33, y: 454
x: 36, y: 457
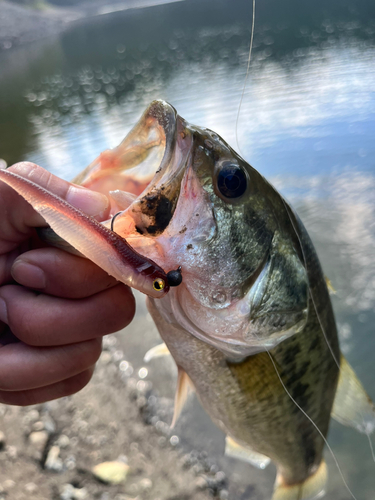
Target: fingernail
x: 90, y: 202
x: 27, y: 274
x: 3, y: 311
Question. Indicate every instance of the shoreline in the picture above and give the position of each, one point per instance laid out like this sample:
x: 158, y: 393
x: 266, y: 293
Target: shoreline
x: 20, y: 25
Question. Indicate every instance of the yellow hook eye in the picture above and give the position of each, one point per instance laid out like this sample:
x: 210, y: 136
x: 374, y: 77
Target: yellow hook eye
x: 159, y: 284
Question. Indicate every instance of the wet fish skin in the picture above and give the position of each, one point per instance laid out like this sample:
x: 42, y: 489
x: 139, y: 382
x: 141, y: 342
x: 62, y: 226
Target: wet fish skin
x: 244, y: 395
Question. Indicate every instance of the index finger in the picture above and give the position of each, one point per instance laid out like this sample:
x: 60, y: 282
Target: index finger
x: 17, y: 224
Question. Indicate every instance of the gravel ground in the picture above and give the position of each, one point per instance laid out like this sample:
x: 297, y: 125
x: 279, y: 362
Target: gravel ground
x: 48, y: 452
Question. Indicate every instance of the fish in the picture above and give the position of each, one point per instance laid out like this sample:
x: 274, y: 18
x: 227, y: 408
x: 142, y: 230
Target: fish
x: 250, y: 325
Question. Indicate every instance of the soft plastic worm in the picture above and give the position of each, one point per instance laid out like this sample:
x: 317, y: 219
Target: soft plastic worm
x: 105, y: 248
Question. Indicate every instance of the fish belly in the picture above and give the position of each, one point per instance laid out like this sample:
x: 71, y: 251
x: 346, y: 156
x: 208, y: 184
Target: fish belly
x: 248, y: 400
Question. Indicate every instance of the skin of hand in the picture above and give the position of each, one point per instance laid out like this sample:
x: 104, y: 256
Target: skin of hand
x: 54, y: 307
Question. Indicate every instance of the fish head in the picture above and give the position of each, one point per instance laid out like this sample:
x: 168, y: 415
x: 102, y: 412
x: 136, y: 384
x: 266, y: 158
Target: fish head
x: 205, y: 209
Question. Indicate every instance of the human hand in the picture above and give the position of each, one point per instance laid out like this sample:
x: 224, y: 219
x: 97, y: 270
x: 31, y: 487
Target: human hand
x: 57, y: 305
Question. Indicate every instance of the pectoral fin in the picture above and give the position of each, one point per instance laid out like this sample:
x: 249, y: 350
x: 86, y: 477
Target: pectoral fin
x: 156, y: 352
x: 311, y: 489
x: 352, y: 406
x: 330, y: 287
x: 184, y: 388
x: 235, y: 450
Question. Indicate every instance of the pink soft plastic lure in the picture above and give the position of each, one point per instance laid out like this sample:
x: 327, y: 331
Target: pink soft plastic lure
x: 93, y: 240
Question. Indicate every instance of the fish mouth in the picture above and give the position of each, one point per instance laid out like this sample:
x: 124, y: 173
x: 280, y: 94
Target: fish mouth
x: 157, y: 151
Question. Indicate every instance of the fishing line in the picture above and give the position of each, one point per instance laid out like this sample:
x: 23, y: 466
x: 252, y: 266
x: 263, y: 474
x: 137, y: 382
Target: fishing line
x: 324, y: 332
x: 312, y: 422
x: 247, y: 75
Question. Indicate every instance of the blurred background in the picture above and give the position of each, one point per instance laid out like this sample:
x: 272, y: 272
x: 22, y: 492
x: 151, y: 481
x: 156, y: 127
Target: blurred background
x: 307, y: 123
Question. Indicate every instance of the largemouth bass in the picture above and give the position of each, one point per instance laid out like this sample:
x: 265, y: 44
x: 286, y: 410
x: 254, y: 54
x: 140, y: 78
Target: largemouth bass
x: 251, y: 327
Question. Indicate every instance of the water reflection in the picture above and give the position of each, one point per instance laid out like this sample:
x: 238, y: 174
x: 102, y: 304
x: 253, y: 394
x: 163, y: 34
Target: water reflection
x: 307, y: 123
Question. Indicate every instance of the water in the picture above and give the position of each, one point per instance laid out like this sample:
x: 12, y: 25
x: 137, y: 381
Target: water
x: 307, y: 123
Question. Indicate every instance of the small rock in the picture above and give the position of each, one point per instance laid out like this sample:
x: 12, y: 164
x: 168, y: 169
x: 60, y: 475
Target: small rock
x: 49, y: 424
x: 111, y: 472
x: 33, y: 415
x: 201, y: 483
x: 12, y: 452
x: 39, y: 440
x: 2, y: 441
x: 63, y: 441
x: 224, y: 495
x: 145, y: 484
x: 69, y: 492
x: 80, y: 494
x: 66, y: 492
x: 31, y: 488
x: 38, y: 426
x: 53, y: 461
x: 70, y: 463
x: 9, y: 484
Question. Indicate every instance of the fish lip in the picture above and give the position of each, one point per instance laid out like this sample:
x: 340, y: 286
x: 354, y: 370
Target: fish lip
x: 166, y: 116
x: 156, y: 204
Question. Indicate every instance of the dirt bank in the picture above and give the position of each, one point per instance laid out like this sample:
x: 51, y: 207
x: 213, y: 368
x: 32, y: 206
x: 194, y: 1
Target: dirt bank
x: 47, y: 452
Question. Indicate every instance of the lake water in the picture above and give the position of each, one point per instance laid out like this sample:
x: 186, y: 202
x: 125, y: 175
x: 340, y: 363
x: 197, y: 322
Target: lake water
x: 307, y: 123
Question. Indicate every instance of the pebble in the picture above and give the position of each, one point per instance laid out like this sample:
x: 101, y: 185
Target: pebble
x: 31, y: 488
x: 33, y: 415
x: 38, y: 426
x: 39, y: 439
x: 12, y: 452
x: 224, y: 495
x: 9, y: 484
x: 201, y: 483
x: 111, y: 472
x: 69, y: 492
x: 63, y: 441
x: 53, y: 461
x: 145, y: 484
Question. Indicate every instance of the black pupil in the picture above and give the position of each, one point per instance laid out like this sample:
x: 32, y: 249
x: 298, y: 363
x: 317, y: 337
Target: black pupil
x: 231, y: 181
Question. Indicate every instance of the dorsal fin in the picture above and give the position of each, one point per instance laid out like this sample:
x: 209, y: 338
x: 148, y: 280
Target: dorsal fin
x: 183, y: 389
x: 352, y: 406
x: 235, y: 450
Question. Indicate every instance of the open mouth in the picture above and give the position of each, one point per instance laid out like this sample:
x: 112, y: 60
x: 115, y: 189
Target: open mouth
x: 145, y: 170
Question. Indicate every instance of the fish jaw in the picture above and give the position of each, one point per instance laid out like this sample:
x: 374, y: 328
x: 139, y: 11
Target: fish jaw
x: 131, y: 166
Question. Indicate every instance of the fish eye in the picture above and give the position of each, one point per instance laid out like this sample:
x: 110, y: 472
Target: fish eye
x: 231, y: 180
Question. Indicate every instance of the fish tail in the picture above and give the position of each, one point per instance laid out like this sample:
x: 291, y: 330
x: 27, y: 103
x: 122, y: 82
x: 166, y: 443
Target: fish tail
x: 312, y: 488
